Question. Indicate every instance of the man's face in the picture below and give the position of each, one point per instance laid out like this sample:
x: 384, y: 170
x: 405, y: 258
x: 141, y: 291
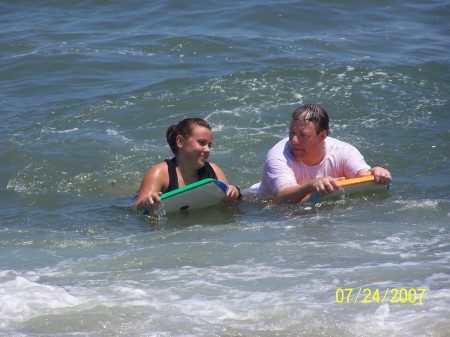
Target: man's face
x: 306, y: 145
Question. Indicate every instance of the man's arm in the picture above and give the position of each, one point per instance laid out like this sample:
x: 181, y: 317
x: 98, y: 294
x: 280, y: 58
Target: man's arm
x: 382, y: 176
x: 291, y: 194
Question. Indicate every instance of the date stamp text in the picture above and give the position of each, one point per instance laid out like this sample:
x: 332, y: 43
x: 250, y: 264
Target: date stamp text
x: 388, y: 295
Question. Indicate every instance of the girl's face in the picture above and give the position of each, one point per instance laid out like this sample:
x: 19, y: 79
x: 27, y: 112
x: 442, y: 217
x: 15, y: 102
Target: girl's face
x: 196, y: 148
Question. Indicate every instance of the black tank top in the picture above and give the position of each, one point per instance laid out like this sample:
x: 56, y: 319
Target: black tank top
x: 205, y: 172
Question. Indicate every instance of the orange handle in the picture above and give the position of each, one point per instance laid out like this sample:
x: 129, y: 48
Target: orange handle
x: 345, y: 182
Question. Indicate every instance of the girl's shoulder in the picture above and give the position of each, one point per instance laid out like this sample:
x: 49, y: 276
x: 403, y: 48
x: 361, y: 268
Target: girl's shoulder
x: 158, y: 170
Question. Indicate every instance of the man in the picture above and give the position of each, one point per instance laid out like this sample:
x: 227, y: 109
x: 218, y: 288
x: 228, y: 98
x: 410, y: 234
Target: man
x: 309, y: 161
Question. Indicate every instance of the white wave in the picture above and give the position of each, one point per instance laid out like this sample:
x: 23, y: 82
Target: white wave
x: 117, y: 134
x: 22, y: 299
x: 66, y: 131
x: 53, y: 130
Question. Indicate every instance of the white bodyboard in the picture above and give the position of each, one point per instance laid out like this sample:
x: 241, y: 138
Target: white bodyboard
x: 204, y: 193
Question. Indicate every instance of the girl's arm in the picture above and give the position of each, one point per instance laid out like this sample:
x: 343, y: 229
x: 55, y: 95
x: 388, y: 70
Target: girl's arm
x: 233, y: 192
x: 154, y: 182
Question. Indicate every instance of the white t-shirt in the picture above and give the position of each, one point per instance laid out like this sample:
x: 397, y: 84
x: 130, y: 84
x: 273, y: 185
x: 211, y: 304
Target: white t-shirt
x: 281, y: 168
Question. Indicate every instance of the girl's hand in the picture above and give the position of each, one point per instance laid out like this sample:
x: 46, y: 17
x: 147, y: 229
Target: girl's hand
x: 233, y: 193
x: 151, y: 202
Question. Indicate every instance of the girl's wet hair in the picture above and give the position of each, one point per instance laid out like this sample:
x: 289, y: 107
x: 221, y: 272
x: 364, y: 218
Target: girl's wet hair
x: 184, y: 128
x: 315, y: 114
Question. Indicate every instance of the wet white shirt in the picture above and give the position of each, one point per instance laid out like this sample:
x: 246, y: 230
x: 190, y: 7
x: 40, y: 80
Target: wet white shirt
x: 281, y: 168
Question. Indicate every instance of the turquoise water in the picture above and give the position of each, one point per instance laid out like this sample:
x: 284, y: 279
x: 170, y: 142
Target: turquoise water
x: 88, y: 90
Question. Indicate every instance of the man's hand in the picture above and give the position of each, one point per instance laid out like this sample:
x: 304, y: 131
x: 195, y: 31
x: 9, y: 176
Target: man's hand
x: 325, y: 185
x: 382, y: 176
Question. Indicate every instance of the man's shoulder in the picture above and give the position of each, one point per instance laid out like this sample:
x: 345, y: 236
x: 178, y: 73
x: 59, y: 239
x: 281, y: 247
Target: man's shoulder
x: 279, y: 153
x: 336, y: 143
x: 279, y: 148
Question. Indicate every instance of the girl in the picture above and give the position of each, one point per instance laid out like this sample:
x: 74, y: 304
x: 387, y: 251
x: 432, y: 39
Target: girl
x: 190, y: 141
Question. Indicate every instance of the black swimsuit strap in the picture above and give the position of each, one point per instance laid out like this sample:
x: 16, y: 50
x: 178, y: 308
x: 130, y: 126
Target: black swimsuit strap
x: 206, y: 171
x: 173, y: 176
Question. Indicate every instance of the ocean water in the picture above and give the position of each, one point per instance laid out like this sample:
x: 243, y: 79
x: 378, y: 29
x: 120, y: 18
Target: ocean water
x: 88, y: 89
